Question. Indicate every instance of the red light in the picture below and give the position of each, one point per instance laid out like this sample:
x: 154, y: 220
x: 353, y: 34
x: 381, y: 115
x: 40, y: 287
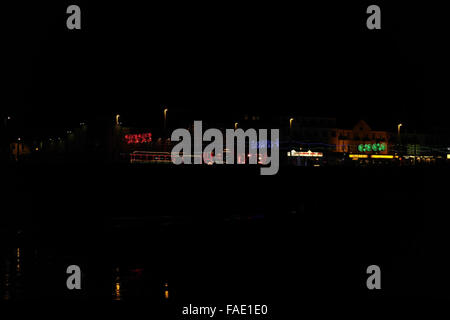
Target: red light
x: 138, y: 138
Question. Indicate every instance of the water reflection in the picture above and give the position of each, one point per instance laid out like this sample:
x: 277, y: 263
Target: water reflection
x: 117, y: 285
x: 7, y: 281
x: 18, y: 260
x: 166, y: 290
x: 12, y: 274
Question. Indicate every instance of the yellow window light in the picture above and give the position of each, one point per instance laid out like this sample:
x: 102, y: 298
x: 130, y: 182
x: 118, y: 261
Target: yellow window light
x: 382, y: 156
x: 356, y: 156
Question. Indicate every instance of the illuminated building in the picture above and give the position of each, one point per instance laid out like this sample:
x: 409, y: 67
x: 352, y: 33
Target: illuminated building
x: 306, y: 158
x: 18, y: 150
x: 323, y: 135
x: 360, y: 139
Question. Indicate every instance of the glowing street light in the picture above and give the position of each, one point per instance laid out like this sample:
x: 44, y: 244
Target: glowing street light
x: 117, y: 119
x: 5, y: 120
x: 165, y: 117
x: 290, y: 127
x: 235, y: 125
x: 398, y: 131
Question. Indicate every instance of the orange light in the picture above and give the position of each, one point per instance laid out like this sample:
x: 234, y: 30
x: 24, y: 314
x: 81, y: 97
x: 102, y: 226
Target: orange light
x: 117, y: 292
x: 382, y: 156
x: 356, y: 156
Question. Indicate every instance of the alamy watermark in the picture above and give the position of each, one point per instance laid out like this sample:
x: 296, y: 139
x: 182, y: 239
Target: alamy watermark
x: 214, y: 151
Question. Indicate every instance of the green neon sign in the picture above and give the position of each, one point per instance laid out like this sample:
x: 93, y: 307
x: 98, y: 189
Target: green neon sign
x: 371, y: 147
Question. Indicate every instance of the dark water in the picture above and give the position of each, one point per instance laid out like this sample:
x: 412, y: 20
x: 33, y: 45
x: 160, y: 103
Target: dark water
x: 178, y: 236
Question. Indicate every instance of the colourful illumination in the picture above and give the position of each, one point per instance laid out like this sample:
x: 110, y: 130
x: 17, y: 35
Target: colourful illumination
x: 357, y: 156
x: 371, y: 147
x: 294, y: 153
x: 117, y: 291
x: 382, y: 156
x: 138, y: 138
x: 263, y: 144
x: 150, y: 157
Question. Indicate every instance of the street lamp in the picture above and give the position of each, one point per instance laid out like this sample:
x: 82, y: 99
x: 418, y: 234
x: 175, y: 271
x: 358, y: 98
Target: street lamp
x: 398, y: 131
x: 18, y: 147
x: 165, y: 117
x: 235, y: 125
x: 117, y: 119
x: 5, y: 120
x: 290, y: 127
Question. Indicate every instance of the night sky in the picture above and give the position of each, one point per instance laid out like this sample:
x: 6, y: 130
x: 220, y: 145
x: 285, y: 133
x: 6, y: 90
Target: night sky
x: 218, y: 60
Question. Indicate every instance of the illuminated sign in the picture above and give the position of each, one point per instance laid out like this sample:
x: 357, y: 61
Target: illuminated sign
x: 150, y: 157
x: 371, y: 147
x: 294, y: 153
x: 382, y: 156
x: 138, y: 138
x: 357, y: 156
x: 264, y: 144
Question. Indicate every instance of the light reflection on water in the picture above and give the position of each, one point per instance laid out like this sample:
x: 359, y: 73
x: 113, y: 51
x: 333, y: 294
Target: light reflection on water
x: 31, y: 271
x: 7, y: 282
x: 18, y: 260
x: 117, y: 286
x: 126, y: 282
x: 166, y: 290
x: 12, y: 275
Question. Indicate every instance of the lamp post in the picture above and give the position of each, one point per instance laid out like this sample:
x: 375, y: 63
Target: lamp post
x: 235, y: 125
x: 5, y: 121
x: 398, y: 135
x: 398, y: 130
x: 18, y: 146
x: 165, y: 118
x: 290, y: 127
